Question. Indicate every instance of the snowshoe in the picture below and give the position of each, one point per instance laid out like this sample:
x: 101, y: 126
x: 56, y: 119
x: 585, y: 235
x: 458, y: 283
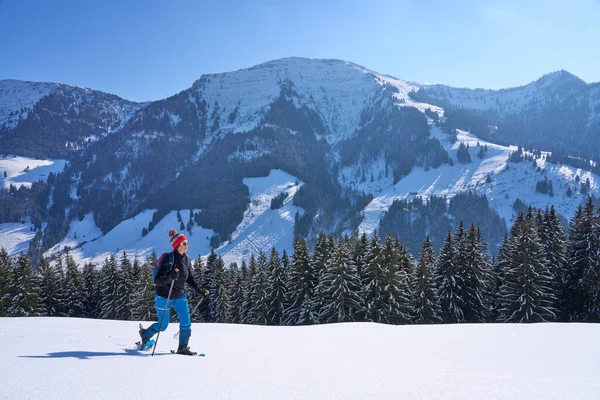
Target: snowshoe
x: 184, y: 350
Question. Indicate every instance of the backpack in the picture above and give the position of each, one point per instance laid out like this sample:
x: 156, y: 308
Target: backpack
x: 171, y: 262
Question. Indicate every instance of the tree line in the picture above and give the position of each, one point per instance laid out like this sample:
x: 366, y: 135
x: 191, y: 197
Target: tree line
x: 540, y: 274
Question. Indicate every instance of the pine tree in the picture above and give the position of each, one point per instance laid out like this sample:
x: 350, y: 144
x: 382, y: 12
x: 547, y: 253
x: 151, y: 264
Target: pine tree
x: 526, y: 295
x: 222, y: 300
x: 341, y: 287
x: 6, y: 267
x: 125, y: 288
x: 360, y: 245
x: 211, y: 280
x: 408, y: 283
x: 477, y: 274
x: 276, y: 289
x: 259, y: 299
x: 427, y: 307
x: 449, y: 282
x: 198, y: 272
x: 248, y: 291
x: 320, y: 261
x: 91, y: 291
x: 73, y: 288
x: 109, y: 282
x: 24, y: 290
x: 554, y: 241
x: 374, y: 286
x: 50, y: 288
x: 238, y: 294
x: 301, y: 286
x: 143, y: 307
x: 582, y: 274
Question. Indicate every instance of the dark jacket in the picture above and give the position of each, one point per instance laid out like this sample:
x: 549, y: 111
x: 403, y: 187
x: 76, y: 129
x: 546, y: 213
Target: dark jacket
x: 163, y: 282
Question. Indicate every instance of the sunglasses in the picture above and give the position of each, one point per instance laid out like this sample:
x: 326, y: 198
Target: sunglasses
x: 184, y: 244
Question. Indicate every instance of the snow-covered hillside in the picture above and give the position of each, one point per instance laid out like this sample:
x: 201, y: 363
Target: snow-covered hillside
x: 261, y: 229
x: 17, y: 99
x: 551, y: 87
x: 509, y: 181
x: 23, y: 171
x: 73, y: 358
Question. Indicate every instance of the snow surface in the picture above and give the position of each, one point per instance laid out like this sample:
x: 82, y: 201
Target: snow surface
x: 18, y: 173
x: 15, y: 237
x: 261, y: 229
x: 71, y: 358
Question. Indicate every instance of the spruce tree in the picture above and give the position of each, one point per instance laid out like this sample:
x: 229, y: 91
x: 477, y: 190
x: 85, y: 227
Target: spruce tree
x: 91, y: 291
x: 73, y: 288
x: 554, y: 241
x: 427, y: 307
x: 526, y: 295
x: 582, y: 274
x: 6, y: 267
x: 408, y: 286
x: 211, y: 280
x: 276, y: 289
x: 238, y: 294
x: 341, y: 287
x: 199, y: 274
x: 50, y: 288
x: 320, y: 261
x: 223, y: 286
x: 143, y: 307
x: 125, y: 288
x: 449, y: 281
x: 109, y: 282
x: 373, y: 285
x: 477, y: 274
x: 259, y: 299
x: 249, y: 289
x: 24, y: 290
x: 301, y: 286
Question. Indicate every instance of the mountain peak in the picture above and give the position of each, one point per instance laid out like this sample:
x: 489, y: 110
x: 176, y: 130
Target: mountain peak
x: 560, y: 78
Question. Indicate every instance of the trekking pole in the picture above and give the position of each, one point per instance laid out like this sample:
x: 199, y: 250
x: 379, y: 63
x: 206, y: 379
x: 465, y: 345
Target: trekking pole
x: 193, y: 311
x: 164, y: 312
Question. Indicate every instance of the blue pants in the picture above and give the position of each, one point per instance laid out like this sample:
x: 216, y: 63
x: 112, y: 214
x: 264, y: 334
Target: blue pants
x: 183, y: 312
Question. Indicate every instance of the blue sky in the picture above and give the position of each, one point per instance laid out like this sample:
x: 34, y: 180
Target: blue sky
x: 148, y: 50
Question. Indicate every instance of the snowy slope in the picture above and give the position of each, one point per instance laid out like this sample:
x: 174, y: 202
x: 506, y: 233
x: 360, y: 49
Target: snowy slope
x: 15, y: 237
x: 551, y: 87
x: 23, y: 171
x: 261, y: 229
x: 62, y: 358
x: 17, y: 99
x: 89, y: 245
x: 336, y: 90
x: 519, y: 181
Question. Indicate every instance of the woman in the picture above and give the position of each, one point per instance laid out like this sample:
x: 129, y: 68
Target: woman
x: 178, y: 273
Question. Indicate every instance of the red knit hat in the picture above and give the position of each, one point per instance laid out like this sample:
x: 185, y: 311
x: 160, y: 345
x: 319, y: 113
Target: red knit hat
x: 176, y: 238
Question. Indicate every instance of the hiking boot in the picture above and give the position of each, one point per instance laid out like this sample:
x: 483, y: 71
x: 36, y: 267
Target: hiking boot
x: 143, y: 336
x: 184, y: 349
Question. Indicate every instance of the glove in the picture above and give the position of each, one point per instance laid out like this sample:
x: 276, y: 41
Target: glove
x: 172, y: 275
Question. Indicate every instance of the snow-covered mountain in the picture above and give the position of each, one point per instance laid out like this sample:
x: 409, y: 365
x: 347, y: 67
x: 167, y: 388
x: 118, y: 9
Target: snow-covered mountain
x: 558, y: 111
x: 338, y: 141
x: 52, y: 119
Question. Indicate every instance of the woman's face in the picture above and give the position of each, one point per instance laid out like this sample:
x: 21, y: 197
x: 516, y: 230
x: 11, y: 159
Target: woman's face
x: 182, y: 248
